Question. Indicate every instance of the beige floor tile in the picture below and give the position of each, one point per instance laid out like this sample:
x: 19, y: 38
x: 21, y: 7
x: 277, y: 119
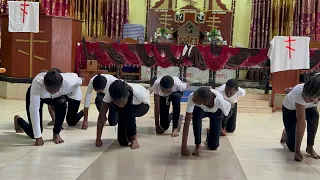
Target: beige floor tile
x: 99, y: 174
x: 68, y: 158
x: 16, y: 172
x: 276, y: 170
x: 169, y: 177
x: 205, y: 166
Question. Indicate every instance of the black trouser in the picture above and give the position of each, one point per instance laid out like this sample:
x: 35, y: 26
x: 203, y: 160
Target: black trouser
x: 126, y: 119
x: 229, y: 122
x: 175, y: 98
x: 290, y: 121
x: 215, y: 126
x: 112, y: 115
x: 60, y: 106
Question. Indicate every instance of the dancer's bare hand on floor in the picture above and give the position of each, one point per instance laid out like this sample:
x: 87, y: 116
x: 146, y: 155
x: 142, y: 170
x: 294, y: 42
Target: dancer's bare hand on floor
x: 298, y: 156
x: 85, y: 125
x: 99, y: 143
x: 185, y: 151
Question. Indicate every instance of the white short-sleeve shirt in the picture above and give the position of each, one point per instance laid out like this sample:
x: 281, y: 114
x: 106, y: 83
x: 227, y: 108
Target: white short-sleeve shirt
x: 177, y: 86
x: 233, y: 99
x: 140, y: 95
x: 295, y: 96
x: 70, y: 88
x: 110, y: 80
x: 219, y: 103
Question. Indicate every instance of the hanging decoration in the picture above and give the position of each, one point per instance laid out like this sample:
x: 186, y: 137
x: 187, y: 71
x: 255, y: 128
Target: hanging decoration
x: 209, y: 57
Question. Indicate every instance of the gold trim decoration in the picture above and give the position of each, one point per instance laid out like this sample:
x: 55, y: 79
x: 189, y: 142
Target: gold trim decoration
x: 193, y: 40
x: 214, y: 20
x: 30, y: 55
x: 34, y: 56
x: 165, y: 18
x: 35, y: 41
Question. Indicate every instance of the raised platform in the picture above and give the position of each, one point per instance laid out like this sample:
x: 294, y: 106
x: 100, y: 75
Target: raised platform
x: 251, y: 103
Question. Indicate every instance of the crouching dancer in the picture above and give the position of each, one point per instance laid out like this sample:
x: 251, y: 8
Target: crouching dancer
x: 55, y: 89
x: 231, y: 92
x: 128, y: 101
x: 99, y: 83
x: 204, y: 102
x: 299, y: 109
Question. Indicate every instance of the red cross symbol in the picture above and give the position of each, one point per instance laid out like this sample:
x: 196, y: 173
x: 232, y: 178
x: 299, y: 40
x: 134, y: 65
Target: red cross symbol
x: 24, y: 12
x: 289, y: 47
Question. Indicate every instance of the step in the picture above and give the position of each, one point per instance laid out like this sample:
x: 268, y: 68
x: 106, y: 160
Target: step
x: 254, y: 109
x: 253, y: 102
x: 257, y: 97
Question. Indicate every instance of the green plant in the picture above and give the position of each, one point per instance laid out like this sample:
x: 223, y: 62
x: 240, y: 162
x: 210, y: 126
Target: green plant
x: 213, y: 33
x: 163, y: 31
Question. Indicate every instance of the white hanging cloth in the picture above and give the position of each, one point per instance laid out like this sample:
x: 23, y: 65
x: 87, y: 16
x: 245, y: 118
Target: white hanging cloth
x: 23, y: 16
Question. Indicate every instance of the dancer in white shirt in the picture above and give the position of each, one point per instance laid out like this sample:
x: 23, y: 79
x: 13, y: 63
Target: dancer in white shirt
x: 129, y: 101
x: 55, y: 89
x: 99, y: 83
x: 299, y: 108
x: 231, y: 92
x: 204, y: 102
x: 167, y: 89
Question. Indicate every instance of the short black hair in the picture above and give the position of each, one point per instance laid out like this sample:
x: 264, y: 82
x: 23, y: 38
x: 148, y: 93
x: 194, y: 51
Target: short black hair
x: 119, y: 89
x: 311, y: 88
x: 232, y: 83
x: 53, y: 79
x: 166, y: 82
x: 99, y: 82
x: 204, y: 93
x: 56, y: 69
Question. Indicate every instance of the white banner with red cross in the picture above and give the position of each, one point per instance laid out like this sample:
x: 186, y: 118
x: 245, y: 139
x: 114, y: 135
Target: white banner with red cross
x: 23, y: 16
x: 289, y: 53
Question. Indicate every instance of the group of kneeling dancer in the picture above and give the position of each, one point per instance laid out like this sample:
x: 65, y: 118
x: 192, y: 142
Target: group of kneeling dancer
x: 126, y: 101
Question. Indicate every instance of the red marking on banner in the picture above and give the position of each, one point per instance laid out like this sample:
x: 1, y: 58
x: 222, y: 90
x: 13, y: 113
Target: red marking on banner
x: 24, y: 12
x: 289, y: 47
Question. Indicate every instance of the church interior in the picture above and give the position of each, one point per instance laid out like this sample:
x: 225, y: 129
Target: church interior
x: 203, y: 43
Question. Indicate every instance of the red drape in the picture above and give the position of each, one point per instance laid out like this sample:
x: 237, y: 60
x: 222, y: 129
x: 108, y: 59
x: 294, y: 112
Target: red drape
x: 260, y: 24
x: 307, y: 19
x: 116, y: 15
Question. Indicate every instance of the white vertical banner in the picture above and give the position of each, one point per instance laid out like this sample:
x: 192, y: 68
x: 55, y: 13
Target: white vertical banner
x: 23, y: 16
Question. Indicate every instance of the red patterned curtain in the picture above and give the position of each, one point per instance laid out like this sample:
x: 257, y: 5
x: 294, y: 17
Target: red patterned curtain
x: 116, y: 16
x: 260, y: 24
x: 52, y: 7
x: 307, y: 18
x: 56, y: 7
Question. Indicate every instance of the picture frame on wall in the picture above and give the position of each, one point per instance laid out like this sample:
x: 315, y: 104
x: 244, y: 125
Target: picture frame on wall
x: 179, y: 17
x: 200, y: 17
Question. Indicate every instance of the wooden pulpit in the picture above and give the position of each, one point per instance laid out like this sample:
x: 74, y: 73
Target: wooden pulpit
x: 24, y: 55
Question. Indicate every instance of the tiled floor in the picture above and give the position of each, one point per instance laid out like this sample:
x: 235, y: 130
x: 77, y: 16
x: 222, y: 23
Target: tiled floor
x: 253, y: 152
